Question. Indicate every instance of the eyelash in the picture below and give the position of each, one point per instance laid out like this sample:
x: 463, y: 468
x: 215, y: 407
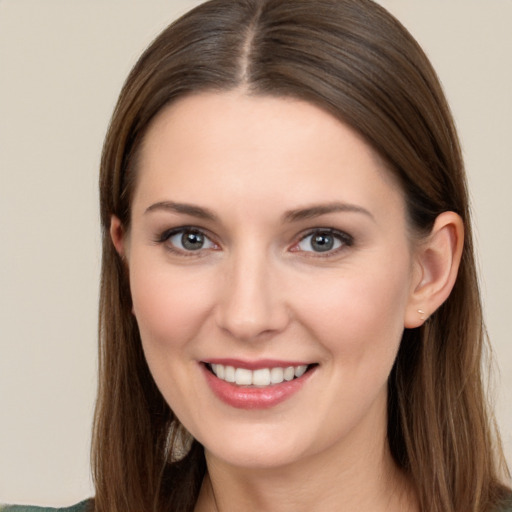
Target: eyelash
x: 165, y: 237
x: 344, y: 239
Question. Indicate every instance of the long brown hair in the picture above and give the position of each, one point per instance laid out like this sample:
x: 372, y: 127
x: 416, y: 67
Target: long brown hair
x: 354, y: 60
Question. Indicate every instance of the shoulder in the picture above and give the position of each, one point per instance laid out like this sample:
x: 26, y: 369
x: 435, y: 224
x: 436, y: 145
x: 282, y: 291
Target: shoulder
x: 83, y: 506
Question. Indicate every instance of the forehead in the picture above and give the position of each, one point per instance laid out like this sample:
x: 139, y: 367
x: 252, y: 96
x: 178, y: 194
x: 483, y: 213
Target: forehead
x: 232, y: 148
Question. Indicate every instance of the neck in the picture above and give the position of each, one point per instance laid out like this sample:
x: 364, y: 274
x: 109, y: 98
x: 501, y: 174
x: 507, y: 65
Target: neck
x: 349, y: 478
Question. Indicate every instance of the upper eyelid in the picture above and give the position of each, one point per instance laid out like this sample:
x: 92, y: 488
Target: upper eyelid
x: 164, y: 239
x: 345, y: 238
x: 167, y: 233
x: 337, y: 232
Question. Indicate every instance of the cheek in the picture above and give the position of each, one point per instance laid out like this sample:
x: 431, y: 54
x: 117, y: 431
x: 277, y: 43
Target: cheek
x: 169, y: 304
x: 359, y: 316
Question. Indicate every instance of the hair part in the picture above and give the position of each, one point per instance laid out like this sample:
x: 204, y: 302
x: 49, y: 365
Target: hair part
x: 355, y: 61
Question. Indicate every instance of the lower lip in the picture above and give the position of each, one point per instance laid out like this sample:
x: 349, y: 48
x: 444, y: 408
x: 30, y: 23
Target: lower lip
x: 248, y: 397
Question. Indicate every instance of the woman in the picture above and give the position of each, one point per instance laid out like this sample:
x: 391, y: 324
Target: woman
x: 290, y: 317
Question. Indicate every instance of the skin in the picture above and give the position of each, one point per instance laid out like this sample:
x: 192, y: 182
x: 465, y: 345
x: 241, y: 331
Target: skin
x: 258, y: 290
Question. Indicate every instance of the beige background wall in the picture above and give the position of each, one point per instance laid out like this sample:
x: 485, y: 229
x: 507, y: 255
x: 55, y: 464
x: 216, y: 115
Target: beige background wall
x: 62, y: 64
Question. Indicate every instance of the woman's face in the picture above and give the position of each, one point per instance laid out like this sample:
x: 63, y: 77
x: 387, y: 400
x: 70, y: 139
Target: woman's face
x: 266, y: 235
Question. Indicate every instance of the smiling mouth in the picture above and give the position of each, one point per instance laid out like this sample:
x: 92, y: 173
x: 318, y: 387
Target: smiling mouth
x: 260, y: 378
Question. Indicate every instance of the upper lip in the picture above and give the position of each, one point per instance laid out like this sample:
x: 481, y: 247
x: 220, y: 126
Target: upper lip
x: 256, y: 365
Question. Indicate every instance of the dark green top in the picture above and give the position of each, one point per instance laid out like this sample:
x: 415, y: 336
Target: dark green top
x: 507, y: 506
x: 86, y: 506
x: 83, y: 506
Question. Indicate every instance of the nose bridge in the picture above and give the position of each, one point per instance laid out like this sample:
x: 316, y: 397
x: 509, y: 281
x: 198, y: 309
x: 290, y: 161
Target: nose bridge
x: 251, y: 304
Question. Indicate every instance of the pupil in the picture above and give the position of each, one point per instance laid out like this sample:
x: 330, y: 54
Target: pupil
x: 192, y: 241
x: 322, y: 243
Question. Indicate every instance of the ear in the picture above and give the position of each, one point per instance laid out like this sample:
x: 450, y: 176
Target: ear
x: 118, y: 236
x: 437, y: 263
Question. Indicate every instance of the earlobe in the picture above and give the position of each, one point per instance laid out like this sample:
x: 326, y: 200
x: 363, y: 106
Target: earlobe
x: 117, y: 234
x: 438, y: 260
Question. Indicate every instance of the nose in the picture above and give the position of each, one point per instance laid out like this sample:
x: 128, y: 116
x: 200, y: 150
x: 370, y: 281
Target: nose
x: 252, y: 305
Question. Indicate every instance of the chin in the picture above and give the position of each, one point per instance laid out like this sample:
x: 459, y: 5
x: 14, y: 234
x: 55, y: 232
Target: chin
x: 254, y: 447
x: 254, y: 458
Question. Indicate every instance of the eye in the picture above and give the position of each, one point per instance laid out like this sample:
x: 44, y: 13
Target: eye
x: 186, y: 240
x: 323, y: 241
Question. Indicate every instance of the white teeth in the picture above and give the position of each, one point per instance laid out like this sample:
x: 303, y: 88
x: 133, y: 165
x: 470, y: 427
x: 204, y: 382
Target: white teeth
x: 229, y: 373
x: 261, y: 377
x: 220, y: 371
x: 276, y: 375
x: 300, y: 370
x: 243, y: 377
x: 289, y: 373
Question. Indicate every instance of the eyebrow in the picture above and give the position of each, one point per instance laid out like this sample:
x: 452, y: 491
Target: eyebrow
x: 323, y: 209
x: 184, y: 208
x: 289, y: 216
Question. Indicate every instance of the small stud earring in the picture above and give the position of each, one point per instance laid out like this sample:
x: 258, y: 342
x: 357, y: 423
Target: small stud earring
x: 422, y: 314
